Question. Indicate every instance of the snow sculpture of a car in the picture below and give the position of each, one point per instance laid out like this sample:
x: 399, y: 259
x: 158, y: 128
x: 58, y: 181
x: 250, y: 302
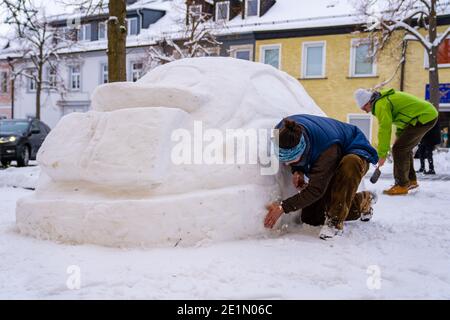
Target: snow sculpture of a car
x: 108, y: 175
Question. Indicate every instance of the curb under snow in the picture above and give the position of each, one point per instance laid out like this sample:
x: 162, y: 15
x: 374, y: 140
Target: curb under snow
x: 26, y: 178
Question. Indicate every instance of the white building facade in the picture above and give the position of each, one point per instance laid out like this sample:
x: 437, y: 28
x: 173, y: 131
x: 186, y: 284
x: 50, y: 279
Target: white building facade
x: 83, y: 66
x: 80, y: 73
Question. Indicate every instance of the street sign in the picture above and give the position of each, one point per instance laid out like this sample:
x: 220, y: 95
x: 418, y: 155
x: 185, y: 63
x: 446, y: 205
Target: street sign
x: 444, y: 88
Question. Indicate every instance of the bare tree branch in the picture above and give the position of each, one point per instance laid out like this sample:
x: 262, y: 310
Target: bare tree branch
x: 87, y: 7
x: 197, y: 38
x: 387, y: 81
x: 38, y: 44
x: 442, y: 37
x: 402, y: 25
x: 409, y: 16
x: 426, y: 4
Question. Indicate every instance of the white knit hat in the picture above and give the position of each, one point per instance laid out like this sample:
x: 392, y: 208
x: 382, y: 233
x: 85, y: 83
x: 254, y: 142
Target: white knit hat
x: 362, y: 96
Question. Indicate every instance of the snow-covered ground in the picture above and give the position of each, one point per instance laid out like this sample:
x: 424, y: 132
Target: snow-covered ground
x: 26, y: 178
x: 406, y: 246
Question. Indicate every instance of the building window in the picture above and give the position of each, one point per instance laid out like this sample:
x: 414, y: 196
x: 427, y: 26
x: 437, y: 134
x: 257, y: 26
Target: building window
x: 84, y: 33
x: 104, y: 73
x: 3, y: 82
x: 444, y: 53
x: 51, y: 77
x: 243, y: 52
x: 102, y: 31
x: 314, y: 56
x: 75, y: 78
x: 132, y: 26
x: 243, y: 55
x: 251, y: 8
x: 271, y: 55
x: 363, y: 122
x: 31, y: 77
x: 212, y: 52
x: 362, y: 63
x: 65, y: 33
x: 222, y: 11
x: 136, y: 70
x: 195, y: 10
x: 69, y: 34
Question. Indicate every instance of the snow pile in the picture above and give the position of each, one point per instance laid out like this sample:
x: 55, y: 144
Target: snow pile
x: 441, y: 160
x: 20, y: 177
x: 108, y: 177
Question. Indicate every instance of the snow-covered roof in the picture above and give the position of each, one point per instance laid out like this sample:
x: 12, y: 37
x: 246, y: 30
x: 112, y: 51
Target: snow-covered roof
x: 299, y: 12
x: 283, y: 15
x: 58, y: 12
x: 160, y: 5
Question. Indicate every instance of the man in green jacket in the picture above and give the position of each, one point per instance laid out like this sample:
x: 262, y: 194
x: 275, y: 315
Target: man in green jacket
x: 413, y: 117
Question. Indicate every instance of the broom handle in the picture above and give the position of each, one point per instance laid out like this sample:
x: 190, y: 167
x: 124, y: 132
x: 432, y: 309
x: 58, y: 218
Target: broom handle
x: 376, y: 175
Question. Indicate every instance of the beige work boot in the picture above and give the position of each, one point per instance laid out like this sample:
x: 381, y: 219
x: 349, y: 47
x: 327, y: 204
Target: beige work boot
x: 413, y: 185
x: 396, y: 190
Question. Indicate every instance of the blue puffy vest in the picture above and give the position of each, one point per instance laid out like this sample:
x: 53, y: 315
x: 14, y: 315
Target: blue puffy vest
x: 324, y: 132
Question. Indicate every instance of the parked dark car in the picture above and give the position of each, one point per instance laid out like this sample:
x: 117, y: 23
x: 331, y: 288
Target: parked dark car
x: 20, y: 140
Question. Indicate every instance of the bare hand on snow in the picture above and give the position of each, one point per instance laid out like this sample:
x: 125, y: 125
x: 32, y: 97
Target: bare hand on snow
x: 275, y: 212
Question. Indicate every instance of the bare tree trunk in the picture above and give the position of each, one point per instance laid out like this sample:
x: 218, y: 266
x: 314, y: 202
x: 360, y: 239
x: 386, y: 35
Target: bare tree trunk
x: 117, y: 37
x: 13, y: 81
x: 39, y: 90
x: 38, y: 95
x: 433, y: 71
x: 13, y: 84
x: 191, y: 36
x: 403, y: 65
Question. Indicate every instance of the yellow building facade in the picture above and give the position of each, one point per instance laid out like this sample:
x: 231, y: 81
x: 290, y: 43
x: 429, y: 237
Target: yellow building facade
x: 333, y: 90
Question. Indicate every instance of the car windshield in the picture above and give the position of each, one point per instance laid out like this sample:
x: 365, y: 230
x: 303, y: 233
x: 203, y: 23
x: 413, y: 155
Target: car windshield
x: 13, y: 126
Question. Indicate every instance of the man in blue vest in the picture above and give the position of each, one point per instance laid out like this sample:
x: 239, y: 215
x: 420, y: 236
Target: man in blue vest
x: 335, y: 156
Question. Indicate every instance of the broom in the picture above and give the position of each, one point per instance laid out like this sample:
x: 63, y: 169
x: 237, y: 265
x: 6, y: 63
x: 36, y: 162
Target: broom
x: 376, y: 175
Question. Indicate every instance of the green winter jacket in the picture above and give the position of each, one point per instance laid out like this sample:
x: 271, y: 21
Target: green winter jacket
x: 401, y: 109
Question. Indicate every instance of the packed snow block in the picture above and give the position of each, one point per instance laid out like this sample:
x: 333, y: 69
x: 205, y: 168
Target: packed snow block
x: 125, y: 148
x: 119, y: 95
x: 221, y: 92
x: 111, y: 176
x: 175, y: 220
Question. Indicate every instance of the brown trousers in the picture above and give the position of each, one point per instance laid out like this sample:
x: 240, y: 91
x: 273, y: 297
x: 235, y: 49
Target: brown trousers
x: 341, y: 202
x: 403, y: 155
